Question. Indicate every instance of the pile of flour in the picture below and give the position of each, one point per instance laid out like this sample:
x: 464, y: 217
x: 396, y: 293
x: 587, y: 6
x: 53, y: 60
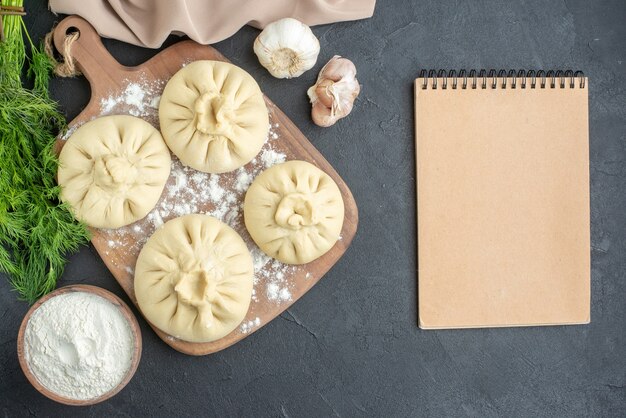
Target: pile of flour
x: 78, y: 345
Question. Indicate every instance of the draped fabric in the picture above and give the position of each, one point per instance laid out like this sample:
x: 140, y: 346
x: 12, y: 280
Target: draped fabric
x: 148, y: 22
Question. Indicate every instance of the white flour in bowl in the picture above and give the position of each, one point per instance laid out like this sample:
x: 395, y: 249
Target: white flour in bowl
x: 78, y: 345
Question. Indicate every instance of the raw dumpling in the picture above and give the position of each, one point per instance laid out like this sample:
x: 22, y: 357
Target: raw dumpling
x: 213, y: 116
x: 294, y: 212
x: 112, y: 170
x: 193, y: 278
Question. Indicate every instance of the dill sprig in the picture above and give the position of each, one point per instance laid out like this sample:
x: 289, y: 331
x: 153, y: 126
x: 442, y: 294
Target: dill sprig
x: 37, y: 231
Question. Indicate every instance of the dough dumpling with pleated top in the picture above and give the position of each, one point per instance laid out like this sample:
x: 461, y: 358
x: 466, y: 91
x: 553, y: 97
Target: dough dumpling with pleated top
x: 112, y: 170
x: 294, y: 212
x: 193, y: 278
x: 213, y: 116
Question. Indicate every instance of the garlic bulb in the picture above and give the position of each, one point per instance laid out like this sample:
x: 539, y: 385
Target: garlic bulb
x: 333, y: 94
x: 287, y: 48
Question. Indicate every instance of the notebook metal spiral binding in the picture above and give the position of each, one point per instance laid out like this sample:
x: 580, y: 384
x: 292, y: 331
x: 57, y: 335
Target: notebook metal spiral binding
x: 482, y: 78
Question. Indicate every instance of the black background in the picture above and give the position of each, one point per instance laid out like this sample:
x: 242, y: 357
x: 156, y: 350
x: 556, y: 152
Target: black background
x: 351, y: 347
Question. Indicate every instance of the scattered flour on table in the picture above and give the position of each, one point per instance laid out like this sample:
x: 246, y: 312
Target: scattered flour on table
x: 78, y: 345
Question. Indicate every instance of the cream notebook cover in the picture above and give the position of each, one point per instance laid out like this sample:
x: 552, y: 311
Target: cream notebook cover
x: 502, y: 199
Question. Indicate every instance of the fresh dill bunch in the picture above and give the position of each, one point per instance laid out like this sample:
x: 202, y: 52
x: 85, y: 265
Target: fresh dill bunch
x: 37, y: 231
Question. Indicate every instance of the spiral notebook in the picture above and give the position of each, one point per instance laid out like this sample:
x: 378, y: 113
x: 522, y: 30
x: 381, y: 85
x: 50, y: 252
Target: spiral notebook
x: 502, y: 199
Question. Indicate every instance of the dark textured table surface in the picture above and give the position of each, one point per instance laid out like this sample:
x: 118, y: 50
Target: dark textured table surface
x: 351, y: 346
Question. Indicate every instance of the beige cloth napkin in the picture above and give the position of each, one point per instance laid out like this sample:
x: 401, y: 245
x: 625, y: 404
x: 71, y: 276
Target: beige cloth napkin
x: 148, y: 22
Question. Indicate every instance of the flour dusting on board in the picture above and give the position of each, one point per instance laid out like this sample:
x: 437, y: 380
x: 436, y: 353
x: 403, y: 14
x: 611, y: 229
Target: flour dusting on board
x: 189, y: 191
x: 139, y: 98
x: 248, y: 326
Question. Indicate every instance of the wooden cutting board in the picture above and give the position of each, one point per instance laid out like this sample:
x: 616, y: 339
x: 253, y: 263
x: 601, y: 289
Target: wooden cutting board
x: 277, y: 286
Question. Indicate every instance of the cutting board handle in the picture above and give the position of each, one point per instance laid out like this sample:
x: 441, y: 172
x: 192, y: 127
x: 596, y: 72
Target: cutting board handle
x: 90, y: 55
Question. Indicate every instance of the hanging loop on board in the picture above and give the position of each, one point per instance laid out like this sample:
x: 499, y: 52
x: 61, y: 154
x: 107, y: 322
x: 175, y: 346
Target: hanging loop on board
x: 67, y: 67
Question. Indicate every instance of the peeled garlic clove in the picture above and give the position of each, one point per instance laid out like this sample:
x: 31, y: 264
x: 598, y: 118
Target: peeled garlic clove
x: 334, y: 93
x: 321, y: 115
x: 287, y: 48
x: 322, y: 92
